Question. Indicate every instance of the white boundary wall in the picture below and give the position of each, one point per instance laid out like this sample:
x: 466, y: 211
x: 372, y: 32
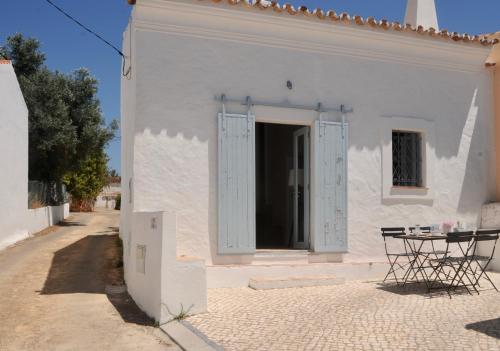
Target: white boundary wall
x: 13, y: 158
x: 490, y: 219
x: 17, y: 222
x: 41, y: 218
x: 160, y: 283
x: 36, y: 220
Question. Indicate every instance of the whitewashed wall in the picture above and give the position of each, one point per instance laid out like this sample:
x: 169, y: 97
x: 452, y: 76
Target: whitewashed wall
x: 161, y: 284
x: 128, y: 113
x: 13, y: 158
x: 184, y: 53
x: 17, y: 222
x: 40, y: 218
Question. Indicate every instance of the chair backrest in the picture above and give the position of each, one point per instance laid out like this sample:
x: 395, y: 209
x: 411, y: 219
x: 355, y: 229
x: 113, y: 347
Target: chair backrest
x: 459, y: 237
x: 487, y: 234
x: 422, y: 229
x: 393, y: 231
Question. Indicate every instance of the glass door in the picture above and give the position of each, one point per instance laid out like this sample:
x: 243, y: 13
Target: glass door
x: 301, y: 188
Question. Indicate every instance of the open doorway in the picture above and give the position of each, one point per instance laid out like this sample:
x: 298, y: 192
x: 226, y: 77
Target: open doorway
x: 282, y: 186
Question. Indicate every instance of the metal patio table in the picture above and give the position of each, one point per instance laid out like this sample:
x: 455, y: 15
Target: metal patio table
x: 418, y: 264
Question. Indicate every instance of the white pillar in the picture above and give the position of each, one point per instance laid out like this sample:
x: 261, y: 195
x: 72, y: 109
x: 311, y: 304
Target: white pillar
x: 422, y: 13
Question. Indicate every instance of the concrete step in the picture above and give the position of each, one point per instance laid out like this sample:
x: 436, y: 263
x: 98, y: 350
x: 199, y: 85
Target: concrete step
x: 238, y: 276
x: 267, y: 257
x: 260, y: 283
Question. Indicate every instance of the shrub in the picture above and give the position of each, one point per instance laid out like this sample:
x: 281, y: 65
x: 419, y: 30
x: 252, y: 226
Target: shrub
x: 118, y: 202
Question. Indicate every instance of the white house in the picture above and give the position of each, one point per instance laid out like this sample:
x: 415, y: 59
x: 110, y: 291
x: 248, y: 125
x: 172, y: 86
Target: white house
x: 278, y: 140
x: 17, y: 222
x: 107, y: 197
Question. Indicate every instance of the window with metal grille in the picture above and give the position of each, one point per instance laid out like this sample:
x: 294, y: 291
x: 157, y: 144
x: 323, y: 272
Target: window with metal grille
x: 406, y: 159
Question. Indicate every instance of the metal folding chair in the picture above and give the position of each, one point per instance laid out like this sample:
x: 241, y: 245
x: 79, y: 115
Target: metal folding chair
x: 454, y: 266
x: 482, y: 236
x: 393, y: 257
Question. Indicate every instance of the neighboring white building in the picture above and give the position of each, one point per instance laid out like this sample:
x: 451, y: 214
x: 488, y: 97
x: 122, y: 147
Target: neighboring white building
x: 108, y: 195
x: 267, y: 127
x: 17, y: 221
x: 13, y: 157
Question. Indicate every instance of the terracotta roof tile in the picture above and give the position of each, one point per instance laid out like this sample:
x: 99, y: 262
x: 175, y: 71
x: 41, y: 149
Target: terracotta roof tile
x: 267, y: 5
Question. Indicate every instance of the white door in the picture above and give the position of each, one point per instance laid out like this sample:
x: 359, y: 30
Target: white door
x: 330, y: 187
x: 236, y: 184
x: 301, y: 188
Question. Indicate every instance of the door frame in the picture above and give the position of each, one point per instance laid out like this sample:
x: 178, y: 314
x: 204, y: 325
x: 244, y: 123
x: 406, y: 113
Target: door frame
x: 306, y: 133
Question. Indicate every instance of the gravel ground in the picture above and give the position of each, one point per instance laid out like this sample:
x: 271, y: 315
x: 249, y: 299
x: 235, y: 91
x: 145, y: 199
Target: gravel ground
x: 52, y: 292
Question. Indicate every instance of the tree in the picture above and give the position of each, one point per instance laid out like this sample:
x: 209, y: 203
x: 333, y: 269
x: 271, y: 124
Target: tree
x: 66, y: 126
x: 85, y: 184
x: 113, y: 173
x: 24, y: 53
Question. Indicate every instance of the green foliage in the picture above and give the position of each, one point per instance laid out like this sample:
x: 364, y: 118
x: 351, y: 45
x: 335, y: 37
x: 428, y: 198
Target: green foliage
x: 88, y: 181
x: 66, y: 127
x: 24, y: 53
x: 113, y: 173
x: 118, y: 202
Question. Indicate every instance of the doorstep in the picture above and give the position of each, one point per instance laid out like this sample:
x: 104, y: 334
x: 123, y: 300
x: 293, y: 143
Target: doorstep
x: 238, y: 276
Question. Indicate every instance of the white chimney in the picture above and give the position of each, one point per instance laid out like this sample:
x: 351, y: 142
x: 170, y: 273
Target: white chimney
x: 421, y: 13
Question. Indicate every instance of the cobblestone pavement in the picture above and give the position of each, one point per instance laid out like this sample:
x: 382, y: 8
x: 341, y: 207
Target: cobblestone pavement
x: 353, y: 316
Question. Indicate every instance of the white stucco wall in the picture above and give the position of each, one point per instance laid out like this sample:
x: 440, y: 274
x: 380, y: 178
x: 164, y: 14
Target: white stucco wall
x: 17, y: 222
x: 40, y: 218
x: 183, y: 55
x: 128, y: 112
x: 13, y: 158
x: 161, y: 284
x: 490, y: 219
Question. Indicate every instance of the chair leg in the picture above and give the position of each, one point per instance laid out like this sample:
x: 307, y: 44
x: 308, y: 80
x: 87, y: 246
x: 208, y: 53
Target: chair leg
x: 460, y: 281
x: 491, y: 282
x: 437, y: 270
x: 483, y: 272
x: 391, y: 269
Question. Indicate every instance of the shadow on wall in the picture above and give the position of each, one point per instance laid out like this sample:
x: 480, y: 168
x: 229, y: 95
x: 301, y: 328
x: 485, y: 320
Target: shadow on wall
x: 490, y: 327
x: 479, y: 155
x: 87, y: 266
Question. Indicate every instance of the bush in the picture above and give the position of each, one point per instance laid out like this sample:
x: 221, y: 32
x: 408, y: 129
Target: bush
x: 85, y: 184
x: 118, y: 202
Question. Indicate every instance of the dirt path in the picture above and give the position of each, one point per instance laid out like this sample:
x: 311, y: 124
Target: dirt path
x: 52, y: 292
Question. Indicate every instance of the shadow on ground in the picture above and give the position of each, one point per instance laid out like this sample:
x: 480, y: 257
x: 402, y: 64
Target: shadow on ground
x: 419, y: 289
x: 71, y: 224
x: 88, y: 266
x: 489, y: 327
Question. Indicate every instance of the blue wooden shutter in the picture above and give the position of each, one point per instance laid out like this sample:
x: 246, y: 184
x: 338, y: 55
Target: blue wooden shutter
x: 236, y: 184
x: 330, y: 195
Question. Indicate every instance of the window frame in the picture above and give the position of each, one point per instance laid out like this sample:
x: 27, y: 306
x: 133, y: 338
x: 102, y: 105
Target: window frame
x: 392, y: 194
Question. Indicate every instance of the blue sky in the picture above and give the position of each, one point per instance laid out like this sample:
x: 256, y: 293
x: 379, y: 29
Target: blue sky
x: 69, y: 47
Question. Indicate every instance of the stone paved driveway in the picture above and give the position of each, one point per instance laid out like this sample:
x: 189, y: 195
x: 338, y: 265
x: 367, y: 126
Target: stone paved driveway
x: 354, y: 316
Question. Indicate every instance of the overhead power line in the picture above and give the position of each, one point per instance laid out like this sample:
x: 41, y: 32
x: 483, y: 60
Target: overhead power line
x: 91, y: 32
